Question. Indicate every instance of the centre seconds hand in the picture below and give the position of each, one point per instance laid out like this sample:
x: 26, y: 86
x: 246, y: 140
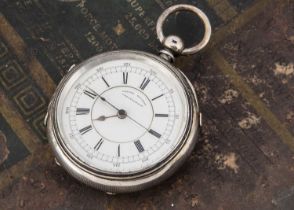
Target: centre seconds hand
x: 137, y: 122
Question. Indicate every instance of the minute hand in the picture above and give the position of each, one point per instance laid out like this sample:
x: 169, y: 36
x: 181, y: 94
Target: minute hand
x: 103, y: 99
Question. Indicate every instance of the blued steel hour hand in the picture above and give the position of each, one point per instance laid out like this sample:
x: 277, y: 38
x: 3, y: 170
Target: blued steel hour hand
x: 103, y: 117
x: 121, y: 114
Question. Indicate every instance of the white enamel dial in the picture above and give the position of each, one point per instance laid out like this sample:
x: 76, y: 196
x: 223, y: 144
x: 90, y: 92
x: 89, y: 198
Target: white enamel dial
x: 122, y: 116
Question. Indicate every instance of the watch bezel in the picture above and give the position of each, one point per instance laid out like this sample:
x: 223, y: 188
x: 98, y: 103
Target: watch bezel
x: 129, y: 182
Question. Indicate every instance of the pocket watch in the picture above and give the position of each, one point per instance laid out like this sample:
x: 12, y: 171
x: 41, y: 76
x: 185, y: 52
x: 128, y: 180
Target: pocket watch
x: 125, y: 120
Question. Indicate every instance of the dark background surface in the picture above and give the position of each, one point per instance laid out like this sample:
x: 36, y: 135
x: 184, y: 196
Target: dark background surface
x: 244, y: 80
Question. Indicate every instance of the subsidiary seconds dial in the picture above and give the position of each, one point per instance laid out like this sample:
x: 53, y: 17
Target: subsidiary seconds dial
x: 123, y: 116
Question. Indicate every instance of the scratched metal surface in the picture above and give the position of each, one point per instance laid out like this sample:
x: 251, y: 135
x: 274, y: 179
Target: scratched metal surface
x: 244, y: 79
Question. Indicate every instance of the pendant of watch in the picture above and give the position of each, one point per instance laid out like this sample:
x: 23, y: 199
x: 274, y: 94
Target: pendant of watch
x: 125, y: 120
